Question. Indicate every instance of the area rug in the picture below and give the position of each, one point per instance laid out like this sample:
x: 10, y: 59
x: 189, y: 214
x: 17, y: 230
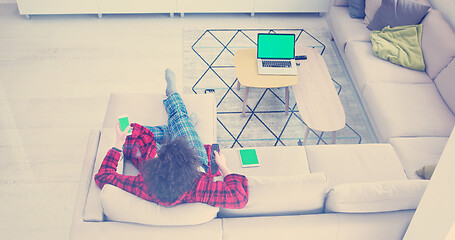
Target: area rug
x: 208, y: 66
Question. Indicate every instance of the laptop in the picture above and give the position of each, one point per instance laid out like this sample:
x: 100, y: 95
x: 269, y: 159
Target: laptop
x: 275, y: 54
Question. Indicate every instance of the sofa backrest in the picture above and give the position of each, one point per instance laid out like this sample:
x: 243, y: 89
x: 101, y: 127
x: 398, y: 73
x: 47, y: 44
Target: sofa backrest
x: 438, y: 48
x: 447, y: 8
x: 283, y: 195
x: 445, y: 82
x: 438, y: 43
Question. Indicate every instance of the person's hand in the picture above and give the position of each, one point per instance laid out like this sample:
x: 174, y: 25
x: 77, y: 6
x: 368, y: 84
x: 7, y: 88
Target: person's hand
x: 120, y: 137
x: 220, y: 159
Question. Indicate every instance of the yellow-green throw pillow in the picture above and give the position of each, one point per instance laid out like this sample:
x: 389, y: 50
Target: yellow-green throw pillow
x: 399, y: 45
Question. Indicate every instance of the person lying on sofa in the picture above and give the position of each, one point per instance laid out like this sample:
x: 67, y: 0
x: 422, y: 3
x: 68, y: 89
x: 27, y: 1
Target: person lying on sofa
x: 169, y: 159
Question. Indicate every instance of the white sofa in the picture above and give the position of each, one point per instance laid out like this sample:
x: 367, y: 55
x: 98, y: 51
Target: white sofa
x: 412, y: 110
x: 315, y: 192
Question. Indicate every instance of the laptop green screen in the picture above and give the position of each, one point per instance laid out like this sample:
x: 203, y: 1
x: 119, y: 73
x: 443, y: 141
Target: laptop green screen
x: 276, y: 46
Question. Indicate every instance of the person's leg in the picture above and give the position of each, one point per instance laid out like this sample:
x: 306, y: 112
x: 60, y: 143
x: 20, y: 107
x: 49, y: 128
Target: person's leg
x: 171, y: 82
x: 159, y: 132
x: 180, y: 125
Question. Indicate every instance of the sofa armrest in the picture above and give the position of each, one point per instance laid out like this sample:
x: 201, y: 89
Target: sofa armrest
x: 93, y: 211
x: 86, y: 173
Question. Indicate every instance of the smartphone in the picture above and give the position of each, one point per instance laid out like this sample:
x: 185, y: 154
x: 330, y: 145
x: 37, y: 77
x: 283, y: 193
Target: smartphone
x: 249, y: 157
x: 124, y: 123
x: 213, y: 164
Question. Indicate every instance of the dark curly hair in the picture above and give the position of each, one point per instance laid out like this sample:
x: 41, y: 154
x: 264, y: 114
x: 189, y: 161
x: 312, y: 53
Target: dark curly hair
x: 173, y: 172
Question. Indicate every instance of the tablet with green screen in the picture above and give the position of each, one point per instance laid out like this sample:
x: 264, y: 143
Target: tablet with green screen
x: 249, y: 157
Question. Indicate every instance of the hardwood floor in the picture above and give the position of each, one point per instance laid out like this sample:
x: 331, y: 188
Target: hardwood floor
x: 56, y: 75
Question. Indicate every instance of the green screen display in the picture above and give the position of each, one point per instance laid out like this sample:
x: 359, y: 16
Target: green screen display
x: 276, y: 46
x: 249, y: 157
x: 124, y: 123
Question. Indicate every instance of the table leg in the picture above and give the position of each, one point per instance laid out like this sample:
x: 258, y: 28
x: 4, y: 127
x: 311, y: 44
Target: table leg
x: 305, y: 135
x: 238, y: 85
x: 245, y: 98
x: 286, y: 101
x: 334, y: 137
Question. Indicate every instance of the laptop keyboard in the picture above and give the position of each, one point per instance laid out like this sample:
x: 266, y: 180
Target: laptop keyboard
x: 278, y: 64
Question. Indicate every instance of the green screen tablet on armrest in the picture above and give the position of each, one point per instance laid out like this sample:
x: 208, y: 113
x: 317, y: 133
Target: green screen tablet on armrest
x: 249, y: 157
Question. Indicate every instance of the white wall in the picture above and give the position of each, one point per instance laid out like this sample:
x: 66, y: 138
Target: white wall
x: 435, y: 214
x: 7, y: 1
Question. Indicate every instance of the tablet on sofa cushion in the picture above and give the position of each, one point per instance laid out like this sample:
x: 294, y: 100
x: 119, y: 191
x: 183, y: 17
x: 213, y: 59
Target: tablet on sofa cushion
x: 282, y: 195
x: 375, y: 196
x: 119, y: 205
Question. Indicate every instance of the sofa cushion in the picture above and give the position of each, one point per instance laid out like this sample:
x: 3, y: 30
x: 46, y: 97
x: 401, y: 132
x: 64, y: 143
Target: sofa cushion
x: 398, y: 13
x: 355, y: 163
x: 344, y: 28
x: 357, y: 8
x: 445, y: 82
x: 407, y: 110
x: 285, y: 195
x: 438, y: 40
x: 276, y: 161
x: 119, y: 205
x: 155, y: 114
x: 416, y: 152
x: 361, y: 58
x: 376, y: 196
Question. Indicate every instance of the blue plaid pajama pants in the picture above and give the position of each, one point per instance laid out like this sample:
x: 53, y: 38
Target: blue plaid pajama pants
x: 179, y: 124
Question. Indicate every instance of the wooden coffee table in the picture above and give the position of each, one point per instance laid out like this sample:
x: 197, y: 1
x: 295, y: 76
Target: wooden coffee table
x: 247, y: 73
x: 316, y: 96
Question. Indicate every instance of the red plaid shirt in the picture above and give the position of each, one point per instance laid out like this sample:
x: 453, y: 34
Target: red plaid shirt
x: 140, y: 145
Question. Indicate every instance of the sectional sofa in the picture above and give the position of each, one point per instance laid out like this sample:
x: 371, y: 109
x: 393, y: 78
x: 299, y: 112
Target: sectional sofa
x: 413, y: 110
x: 317, y: 192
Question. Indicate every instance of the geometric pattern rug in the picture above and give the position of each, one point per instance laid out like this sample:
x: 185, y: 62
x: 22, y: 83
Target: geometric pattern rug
x: 208, y: 64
